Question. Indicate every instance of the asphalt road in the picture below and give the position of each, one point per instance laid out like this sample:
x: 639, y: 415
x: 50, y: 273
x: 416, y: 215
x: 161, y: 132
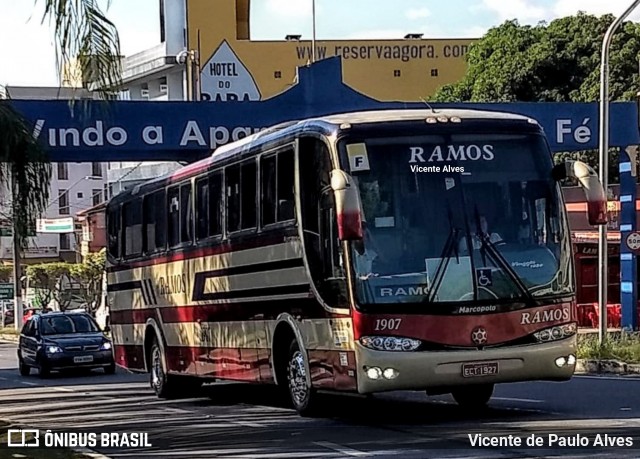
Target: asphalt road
x: 243, y: 421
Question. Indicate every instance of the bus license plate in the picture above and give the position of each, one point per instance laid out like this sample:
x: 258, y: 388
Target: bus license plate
x: 471, y: 370
x: 83, y: 359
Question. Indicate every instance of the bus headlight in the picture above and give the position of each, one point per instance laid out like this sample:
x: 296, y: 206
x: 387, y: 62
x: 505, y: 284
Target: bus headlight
x: 556, y: 333
x: 390, y: 343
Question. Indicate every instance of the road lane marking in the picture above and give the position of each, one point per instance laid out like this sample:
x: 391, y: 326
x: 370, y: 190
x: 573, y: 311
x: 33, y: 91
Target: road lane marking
x: 63, y: 389
x: 176, y: 410
x: 248, y: 424
x: 610, y: 378
x: 29, y: 383
x: 523, y: 400
x: 345, y: 450
x: 91, y: 453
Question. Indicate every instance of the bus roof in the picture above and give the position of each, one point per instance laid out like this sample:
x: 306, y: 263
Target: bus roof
x: 365, y: 117
x: 326, y: 124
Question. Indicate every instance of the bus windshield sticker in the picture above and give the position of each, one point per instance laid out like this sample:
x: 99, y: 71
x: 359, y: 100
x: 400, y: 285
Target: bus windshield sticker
x: 449, y: 183
x: 358, y: 157
x: 385, y: 222
x: 484, y: 277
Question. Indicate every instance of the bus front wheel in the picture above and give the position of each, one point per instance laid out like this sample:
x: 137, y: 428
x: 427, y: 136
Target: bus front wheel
x: 163, y: 384
x: 303, y: 395
x: 473, y: 397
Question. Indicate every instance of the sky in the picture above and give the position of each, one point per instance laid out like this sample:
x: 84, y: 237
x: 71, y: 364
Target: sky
x: 28, y: 56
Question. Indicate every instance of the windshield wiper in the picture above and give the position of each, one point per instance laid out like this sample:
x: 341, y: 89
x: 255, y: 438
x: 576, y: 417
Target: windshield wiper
x: 494, y: 253
x: 450, y: 246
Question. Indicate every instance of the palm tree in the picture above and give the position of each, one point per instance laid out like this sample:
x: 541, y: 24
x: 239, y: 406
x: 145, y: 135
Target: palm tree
x: 85, y: 37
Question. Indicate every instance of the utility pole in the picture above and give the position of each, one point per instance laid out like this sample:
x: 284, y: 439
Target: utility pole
x: 603, y: 166
x: 17, y: 268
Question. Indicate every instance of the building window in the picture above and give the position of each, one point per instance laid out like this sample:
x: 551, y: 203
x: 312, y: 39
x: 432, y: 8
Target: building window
x: 96, y: 194
x: 96, y: 169
x: 80, y: 195
x: 434, y: 72
x: 397, y: 73
x: 106, y: 192
x: 63, y: 171
x: 63, y: 202
x: 65, y: 242
x: 277, y: 74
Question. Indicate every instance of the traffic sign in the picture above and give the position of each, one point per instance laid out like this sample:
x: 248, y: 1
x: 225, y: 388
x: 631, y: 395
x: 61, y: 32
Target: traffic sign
x: 633, y: 241
x: 6, y: 291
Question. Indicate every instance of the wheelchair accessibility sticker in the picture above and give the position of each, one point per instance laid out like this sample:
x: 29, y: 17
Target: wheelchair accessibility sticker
x: 484, y: 277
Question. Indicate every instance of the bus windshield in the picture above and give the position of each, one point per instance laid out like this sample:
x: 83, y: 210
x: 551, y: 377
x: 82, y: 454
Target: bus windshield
x: 458, y: 218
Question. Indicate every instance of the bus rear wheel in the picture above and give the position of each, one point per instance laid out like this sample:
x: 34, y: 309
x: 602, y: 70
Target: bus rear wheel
x: 303, y: 396
x: 473, y: 397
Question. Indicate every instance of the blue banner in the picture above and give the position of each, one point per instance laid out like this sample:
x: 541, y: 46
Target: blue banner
x: 187, y: 131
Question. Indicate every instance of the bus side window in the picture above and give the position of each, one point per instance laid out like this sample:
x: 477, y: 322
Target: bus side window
x: 173, y: 216
x: 215, y: 204
x: 329, y: 237
x: 186, y: 214
x: 202, y: 208
x: 232, y: 187
x: 153, y: 215
x: 285, y: 186
x: 248, y: 195
x: 268, y: 184
x: 132, y: 222
x: 277, y: 180
x: 114, y: 232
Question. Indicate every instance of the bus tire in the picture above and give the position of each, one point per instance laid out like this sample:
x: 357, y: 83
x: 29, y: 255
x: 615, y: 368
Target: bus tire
x: 473, y: 397
x: 302, y: 395
x: 163, y: 385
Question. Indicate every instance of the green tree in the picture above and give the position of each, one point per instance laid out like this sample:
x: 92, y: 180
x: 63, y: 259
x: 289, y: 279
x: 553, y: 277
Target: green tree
x: 85, y: 37
x: 49, y: 282
x: 555, y: 62
x: 89, y: 274
x: 6, y: 273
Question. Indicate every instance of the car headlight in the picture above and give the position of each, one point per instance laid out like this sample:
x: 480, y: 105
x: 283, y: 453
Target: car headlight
x: 390, y: 343
x: 105, y: 346
x: 53, y: 349
x: 557, y: 332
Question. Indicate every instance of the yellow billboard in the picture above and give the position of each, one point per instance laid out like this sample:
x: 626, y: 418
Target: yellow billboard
x: 233, y: 67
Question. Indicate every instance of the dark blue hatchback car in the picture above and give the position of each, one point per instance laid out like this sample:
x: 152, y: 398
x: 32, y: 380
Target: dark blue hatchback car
x: 63, y: 341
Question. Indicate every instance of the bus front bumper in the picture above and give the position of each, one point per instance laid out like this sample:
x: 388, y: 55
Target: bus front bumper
x: 443, y: 369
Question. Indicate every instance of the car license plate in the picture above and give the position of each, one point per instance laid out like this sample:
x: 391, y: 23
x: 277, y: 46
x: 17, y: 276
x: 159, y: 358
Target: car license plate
x: 472, y: 370
x: 83, y: 359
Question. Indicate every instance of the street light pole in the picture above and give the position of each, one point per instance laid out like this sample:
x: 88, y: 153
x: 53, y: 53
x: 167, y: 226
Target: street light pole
x: 313, y: 38
x: 603, y: 166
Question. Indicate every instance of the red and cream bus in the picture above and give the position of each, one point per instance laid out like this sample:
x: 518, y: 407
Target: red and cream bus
x: 360, y: 252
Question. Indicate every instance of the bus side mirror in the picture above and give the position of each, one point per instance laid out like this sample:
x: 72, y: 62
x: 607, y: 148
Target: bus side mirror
x: 348, y: 208
x: 593, y: 190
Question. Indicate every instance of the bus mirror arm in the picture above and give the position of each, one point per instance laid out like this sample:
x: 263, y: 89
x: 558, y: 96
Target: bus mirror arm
x: 348, y: 208
x: 593, y: 190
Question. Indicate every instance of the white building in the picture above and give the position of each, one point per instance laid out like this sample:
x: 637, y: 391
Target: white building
x: 159, y: 73
x: 73, y: 187
x: 153, y: 75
